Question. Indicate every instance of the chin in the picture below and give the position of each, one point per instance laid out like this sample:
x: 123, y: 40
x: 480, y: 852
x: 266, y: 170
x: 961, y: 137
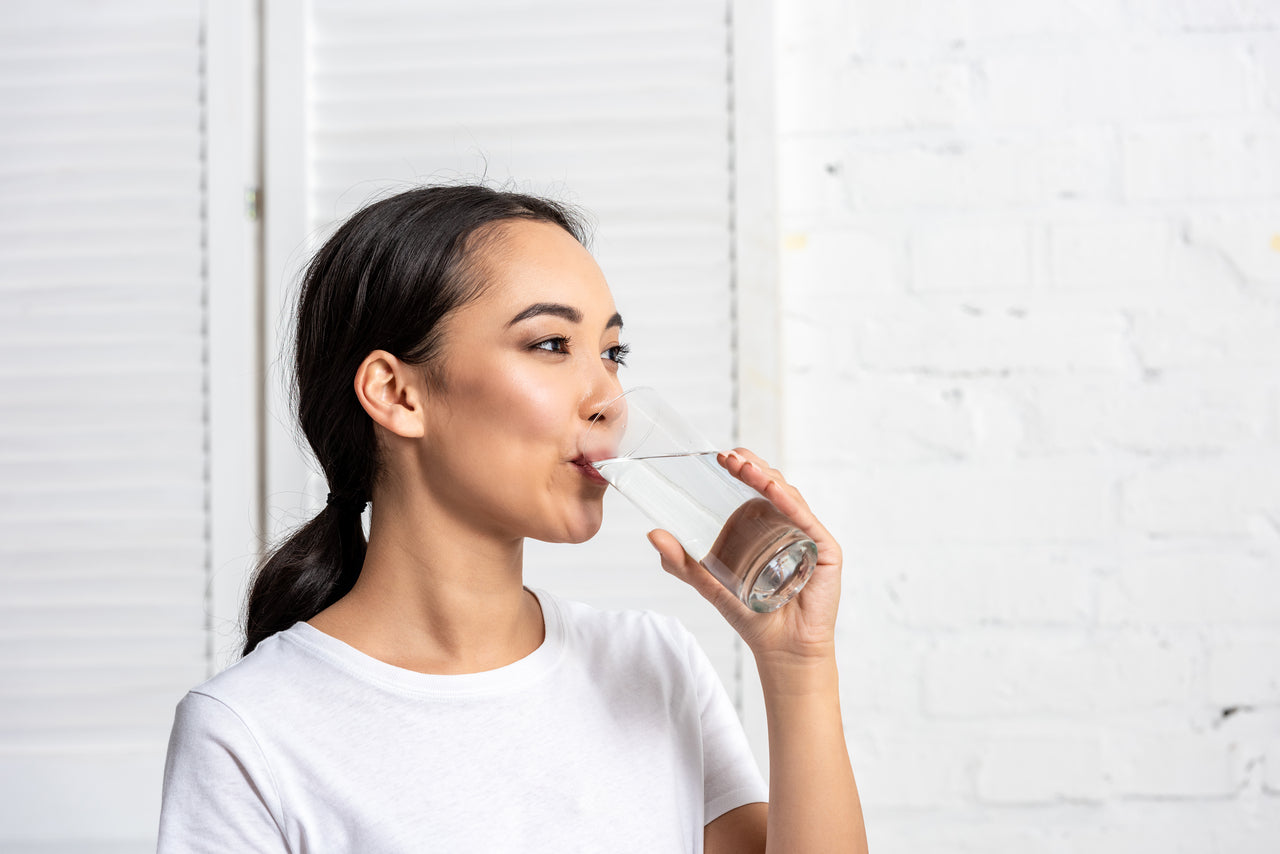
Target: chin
x: 576, y: 530
x: 582, y: 533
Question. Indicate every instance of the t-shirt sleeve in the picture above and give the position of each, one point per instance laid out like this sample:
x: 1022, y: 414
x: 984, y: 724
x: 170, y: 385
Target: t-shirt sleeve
x: 218, y: 792
x: 731, y: 777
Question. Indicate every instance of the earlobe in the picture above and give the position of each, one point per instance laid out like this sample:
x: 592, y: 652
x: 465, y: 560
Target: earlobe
x: 392, y: 393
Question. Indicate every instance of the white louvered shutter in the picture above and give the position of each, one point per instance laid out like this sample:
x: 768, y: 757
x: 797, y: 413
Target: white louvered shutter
x: 621, y: 108
x: 102, y: 413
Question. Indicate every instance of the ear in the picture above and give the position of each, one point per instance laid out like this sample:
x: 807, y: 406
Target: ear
x: 393, y: 394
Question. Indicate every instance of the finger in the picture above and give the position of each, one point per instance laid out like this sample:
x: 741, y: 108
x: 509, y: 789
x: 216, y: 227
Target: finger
x: 769, y: 482
x: 756, y: 473
x: 737, y: 458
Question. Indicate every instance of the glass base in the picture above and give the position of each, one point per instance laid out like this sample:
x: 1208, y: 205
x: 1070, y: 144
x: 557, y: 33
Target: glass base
x: 782, y: 576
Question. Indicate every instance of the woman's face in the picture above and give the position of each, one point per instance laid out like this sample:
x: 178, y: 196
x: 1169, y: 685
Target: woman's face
x: 524, y: 366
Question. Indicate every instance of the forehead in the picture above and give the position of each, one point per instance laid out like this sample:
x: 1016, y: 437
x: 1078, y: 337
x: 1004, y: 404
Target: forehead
x: 525, y: 262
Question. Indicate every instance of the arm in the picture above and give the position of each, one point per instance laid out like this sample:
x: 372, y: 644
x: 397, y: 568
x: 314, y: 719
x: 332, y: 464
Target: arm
x: 813, y: 799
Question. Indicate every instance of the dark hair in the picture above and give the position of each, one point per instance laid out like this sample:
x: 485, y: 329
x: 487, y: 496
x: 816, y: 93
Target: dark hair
x: 384, y: 281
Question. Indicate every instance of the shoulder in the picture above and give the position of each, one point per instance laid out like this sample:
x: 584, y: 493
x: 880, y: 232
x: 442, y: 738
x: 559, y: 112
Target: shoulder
x: 271, y: 673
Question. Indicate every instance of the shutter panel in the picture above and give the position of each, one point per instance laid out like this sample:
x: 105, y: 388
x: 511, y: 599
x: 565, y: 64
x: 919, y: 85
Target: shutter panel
x: 622, y: 109
x: 102, y: 416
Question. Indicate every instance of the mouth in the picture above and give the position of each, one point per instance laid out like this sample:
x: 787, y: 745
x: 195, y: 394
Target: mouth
x: 589, y: 471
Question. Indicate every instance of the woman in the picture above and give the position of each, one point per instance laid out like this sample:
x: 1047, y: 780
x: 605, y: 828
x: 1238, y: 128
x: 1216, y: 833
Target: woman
x: 409, y: 693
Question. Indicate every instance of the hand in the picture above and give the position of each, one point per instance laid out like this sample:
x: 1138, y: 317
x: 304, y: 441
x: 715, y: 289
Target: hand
x: 802, y: 629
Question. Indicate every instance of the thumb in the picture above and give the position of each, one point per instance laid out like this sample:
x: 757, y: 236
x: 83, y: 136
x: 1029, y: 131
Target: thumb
x: 677, y: 561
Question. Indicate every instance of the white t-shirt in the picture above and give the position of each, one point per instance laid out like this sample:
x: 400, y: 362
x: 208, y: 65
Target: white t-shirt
x: 614, y: 735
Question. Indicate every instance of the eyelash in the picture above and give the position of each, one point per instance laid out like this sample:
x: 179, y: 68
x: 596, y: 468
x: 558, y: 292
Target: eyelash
x: 619, y: 351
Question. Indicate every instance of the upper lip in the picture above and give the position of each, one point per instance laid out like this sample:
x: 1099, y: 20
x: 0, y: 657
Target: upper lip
x: 595, y: 448
x: 584, y: 463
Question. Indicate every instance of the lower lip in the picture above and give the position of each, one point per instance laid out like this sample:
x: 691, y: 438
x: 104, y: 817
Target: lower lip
x: 590, y: 473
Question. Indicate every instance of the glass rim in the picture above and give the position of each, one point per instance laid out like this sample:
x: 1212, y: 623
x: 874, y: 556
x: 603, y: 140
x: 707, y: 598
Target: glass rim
x: 671, y: 418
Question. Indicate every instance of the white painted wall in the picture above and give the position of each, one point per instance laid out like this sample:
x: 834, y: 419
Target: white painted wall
x: 1031, y: 278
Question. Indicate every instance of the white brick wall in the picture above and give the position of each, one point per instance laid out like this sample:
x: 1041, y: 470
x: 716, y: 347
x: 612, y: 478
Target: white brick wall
x: 1031, y: 276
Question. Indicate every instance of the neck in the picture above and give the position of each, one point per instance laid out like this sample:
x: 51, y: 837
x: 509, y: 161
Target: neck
x: 435, y: 596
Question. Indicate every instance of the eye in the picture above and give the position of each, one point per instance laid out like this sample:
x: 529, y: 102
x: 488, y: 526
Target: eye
x: 559, y: 344
x: 617, y: 354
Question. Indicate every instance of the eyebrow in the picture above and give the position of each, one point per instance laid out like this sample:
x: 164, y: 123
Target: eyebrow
x: 568, y: 312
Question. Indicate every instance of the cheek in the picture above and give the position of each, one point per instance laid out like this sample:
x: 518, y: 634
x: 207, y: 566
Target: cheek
x: 530, y: 408
x: 512, y: 405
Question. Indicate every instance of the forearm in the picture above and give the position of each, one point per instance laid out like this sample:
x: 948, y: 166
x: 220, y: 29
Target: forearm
x: 813, y: 799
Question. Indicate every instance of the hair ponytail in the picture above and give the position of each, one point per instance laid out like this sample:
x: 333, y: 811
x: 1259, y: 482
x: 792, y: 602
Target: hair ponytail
x: 309, y: 571
x: 383, y: 281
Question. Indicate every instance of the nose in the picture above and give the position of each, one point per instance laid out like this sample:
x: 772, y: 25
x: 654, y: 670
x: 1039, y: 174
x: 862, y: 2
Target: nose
x: 601, y: 388
x: 605, y: 423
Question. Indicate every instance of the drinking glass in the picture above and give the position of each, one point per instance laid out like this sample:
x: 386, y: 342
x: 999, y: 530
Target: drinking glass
x: 647, y: 451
